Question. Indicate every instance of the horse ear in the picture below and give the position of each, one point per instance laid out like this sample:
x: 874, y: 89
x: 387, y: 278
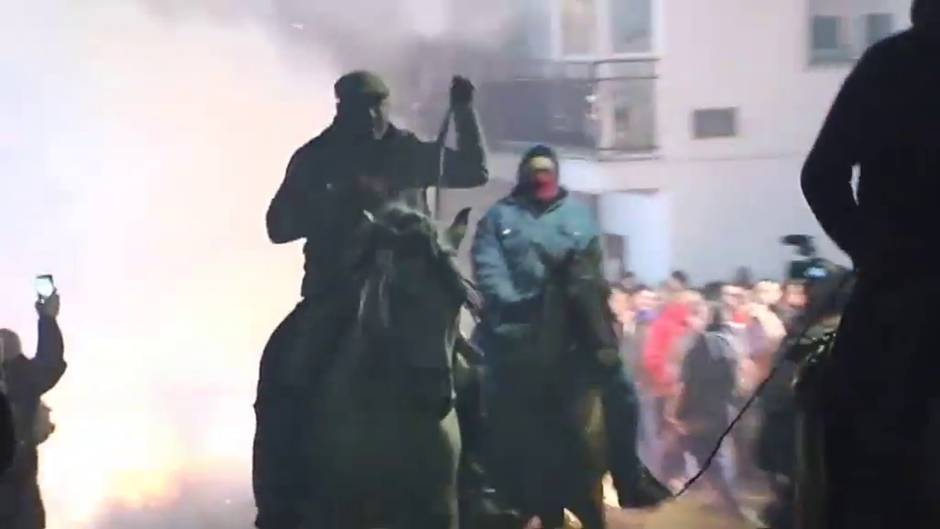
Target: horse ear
x: 458, y: 229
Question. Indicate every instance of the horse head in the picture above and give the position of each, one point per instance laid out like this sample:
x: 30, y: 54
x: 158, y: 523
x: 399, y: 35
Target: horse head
x: 389, y: 388
x: 576, y: 278
x: 411, y: 298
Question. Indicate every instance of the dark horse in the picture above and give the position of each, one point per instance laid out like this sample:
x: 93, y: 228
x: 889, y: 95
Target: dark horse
x: 546, y: 422
x: 388, y: 451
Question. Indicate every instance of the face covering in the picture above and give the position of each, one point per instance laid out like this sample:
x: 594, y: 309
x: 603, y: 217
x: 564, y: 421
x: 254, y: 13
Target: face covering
x: 545, y: 186
x: 543, y: 178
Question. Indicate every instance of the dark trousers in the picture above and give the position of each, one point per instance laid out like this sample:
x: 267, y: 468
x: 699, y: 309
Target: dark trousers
x: 300, y: 347
x: 278, y: 478
x: 20, y: 500
x: 700, y: 445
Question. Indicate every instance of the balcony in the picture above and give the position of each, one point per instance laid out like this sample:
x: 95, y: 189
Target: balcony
x: 587, y: 108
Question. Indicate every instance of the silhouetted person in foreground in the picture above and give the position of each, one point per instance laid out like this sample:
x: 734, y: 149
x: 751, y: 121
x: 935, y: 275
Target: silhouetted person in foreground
x: 27, y: 379
x: 884, y: 368
x: 358, y: 163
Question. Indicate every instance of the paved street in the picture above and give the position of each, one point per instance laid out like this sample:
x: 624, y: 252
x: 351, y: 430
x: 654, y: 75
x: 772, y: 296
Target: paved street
x: 683, y: 514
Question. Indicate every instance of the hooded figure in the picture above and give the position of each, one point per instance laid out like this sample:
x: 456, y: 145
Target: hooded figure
x: 520, y: 243
x: 881, y: 380
x: 509, y: 269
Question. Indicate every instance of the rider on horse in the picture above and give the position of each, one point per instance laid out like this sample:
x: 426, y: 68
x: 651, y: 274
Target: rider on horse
x: 540, y: 221
x: 358, y: 163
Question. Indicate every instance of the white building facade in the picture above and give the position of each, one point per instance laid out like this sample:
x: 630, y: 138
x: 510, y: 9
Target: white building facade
x: 699, y: 116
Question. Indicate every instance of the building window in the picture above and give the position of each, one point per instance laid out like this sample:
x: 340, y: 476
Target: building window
x: 826, y: 33
x: 614, y: 257
x: 827, y: 41
x: 715, y: 123
x: 878, y: 26
x: 626, y: 114
x: 839, y: 31
x: 631, y: 25
x: 578, y: 26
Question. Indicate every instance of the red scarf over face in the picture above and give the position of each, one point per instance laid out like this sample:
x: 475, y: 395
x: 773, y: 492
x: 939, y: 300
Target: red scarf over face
x: 542, y: 179
x: 545, y: 186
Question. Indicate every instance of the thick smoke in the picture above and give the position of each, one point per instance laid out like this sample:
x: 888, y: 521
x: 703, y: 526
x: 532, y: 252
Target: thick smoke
x: 140, y: 143
x: 138, y: 155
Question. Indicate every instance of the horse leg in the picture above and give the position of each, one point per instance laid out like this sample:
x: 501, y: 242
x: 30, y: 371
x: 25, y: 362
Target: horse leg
x: 424, y: 519
x: 589, y: 507
x: 420, y: 513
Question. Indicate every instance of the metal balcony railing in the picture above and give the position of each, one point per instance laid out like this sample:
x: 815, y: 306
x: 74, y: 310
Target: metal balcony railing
x: 599, y: 107
x: 594, y: 108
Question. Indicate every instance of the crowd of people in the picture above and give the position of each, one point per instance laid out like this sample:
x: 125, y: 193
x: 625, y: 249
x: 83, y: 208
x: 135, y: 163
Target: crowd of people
x: 685, y: 359
x: 697, y: 355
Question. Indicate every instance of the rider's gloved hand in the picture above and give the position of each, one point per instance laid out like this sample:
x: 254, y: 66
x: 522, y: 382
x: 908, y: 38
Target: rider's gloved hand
x: 461, y: 91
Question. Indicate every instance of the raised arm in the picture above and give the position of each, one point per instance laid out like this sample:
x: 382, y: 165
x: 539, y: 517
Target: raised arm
x: 464, y: 167
x: 48, y: 366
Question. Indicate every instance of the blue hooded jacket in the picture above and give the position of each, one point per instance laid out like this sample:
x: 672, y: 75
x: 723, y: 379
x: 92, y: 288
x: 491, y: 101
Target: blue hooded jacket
x: 509, y: 270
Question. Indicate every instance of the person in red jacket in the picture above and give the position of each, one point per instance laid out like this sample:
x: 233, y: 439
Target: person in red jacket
x: 664, y: 342
x: 662, y: 338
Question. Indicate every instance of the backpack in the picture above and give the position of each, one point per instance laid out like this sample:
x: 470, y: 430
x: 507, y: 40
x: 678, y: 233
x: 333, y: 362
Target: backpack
x: 38, y: 430
x: 43, y: 427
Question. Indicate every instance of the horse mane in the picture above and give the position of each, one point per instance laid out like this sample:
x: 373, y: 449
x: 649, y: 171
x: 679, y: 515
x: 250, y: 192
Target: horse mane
x: 406, y: 223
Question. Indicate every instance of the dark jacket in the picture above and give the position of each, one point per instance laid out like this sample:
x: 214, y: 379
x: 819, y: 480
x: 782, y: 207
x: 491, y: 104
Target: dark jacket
x: 318, y: 200
x: 7, y: 435
x: 510, y: 272
x: 27, y: 380
x: 776, y: 450
x: 886, y: 119
x: 708, y: 381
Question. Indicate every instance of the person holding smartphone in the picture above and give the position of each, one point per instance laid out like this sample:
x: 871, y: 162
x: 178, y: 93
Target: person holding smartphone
x: 27, y: 380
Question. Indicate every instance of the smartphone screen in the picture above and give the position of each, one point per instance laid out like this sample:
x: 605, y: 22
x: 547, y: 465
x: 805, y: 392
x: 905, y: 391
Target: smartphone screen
x: 45, y: 286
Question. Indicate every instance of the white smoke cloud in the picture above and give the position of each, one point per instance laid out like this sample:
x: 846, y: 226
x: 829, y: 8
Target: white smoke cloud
x: 140, y: 143
x: 137, y: 156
